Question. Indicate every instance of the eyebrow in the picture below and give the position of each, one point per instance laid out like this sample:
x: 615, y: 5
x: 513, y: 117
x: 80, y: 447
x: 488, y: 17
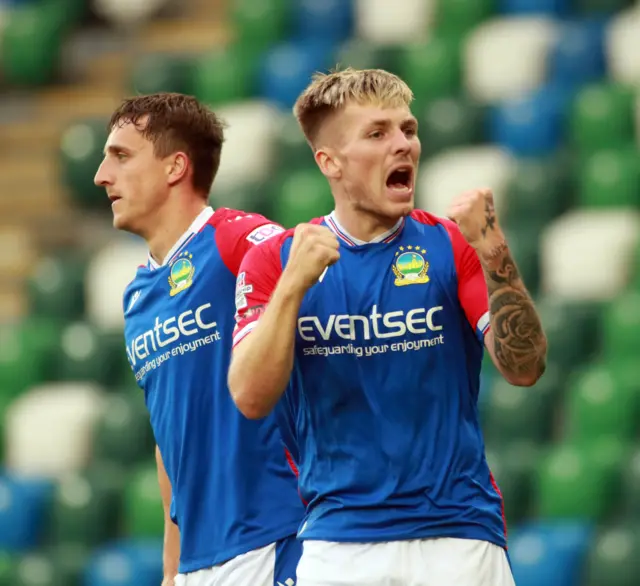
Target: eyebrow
x: 115, y: 149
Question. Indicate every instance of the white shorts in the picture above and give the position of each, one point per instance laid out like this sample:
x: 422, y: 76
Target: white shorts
x: 420, y: 562
x: 273, y: 565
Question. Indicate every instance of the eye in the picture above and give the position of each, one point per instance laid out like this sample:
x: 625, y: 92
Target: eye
x: 376, y: 134
x: 410, y: 132
x: 121, y: 156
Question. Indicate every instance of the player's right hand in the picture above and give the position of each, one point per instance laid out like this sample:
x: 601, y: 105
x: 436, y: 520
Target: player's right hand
x: 314, y: 249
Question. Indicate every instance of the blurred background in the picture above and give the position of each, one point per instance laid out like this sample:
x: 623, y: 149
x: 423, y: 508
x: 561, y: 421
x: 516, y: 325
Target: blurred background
x: 538, y: 99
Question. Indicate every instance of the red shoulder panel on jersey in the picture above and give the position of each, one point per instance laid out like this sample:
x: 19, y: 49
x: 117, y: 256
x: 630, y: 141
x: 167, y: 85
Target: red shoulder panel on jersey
x: 238, y: 231
x: 472, y: 287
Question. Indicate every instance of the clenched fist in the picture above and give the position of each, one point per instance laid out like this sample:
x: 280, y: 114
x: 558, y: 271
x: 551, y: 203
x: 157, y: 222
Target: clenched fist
x: 314, y: 248
x: 475, y: 215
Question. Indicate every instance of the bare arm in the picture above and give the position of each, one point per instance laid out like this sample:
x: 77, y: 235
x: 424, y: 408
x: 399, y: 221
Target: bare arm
x: 171, y: 551
x: 516, y: 340
x: 262, y: 362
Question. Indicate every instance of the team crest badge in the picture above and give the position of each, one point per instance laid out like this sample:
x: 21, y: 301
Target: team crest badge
x: 181, y: 273
x: 410, y: 266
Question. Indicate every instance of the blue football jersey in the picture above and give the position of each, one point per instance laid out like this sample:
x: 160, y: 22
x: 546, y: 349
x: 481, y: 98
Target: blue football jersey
x: 381, y: 412
x: 233, y: 490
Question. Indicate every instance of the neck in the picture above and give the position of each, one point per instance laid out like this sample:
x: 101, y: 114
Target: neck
x: 170, y: 225
x: 363, y: 225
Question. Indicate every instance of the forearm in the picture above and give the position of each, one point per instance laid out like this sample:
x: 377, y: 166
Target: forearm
x: 519, y: 343
x: 171, y: 549
x: 262, y: 363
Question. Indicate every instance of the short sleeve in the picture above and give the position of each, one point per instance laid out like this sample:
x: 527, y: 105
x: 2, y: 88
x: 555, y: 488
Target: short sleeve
x: 257, y: 277
x: 472, y: 286
x: 237, y: 232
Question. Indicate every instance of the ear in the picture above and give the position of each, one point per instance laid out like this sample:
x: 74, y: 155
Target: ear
x: 177, y: 168
x: 328, y: 162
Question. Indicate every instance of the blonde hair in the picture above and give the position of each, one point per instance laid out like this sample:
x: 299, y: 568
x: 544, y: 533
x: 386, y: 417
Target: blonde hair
x: 330, y: 92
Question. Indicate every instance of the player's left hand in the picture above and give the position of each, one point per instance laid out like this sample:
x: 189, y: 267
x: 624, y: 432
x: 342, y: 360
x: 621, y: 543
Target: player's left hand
x: 475, y: 215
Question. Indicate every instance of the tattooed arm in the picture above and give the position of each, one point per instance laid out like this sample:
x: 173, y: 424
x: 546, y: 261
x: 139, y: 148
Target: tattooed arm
x: 516, y: 340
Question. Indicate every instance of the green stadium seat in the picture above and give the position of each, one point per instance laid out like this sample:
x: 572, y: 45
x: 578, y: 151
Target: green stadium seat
x: 432, y: 70
x: 460, y: 16
x: 292, y: 147
x: 450, y: 122
x: 56, y: 287
x: 27, y: 354
x: 600, y: 405
x: 85, y: 509
x: 601, y: 6
x: 260, y: 23
x: 602, y: 117
x: 516, y: 413
x: 537, y: 192
x: 70, y: 560
x: 7, y: 569
x: 248, y: 197
x: 523, y: 243
x: 614, y: 559
x: 123, y: 433
x: 361, y: 54
x: 610, y: 178
x: 301, y: 196
x: 224, y: 76
x: 160, y: 72
x: 631, y: 488
x: 37, y: 569
x: 87, y: 354
x: 31, y: 43
x: 622, y: 326
x: 579, y: 482
x: 143, y: 503
x: 513, y: 468
x: 81, y: 152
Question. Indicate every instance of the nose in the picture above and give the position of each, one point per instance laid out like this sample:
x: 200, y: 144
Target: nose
x: 401, y: 143
x: 102, y: 177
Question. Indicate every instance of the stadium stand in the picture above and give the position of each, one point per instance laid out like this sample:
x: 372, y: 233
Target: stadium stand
x: 537, y: 99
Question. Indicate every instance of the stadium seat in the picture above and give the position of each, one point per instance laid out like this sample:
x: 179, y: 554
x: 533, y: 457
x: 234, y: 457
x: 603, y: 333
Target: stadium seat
x: 579, y: 482
x: 622, y: 327
x: 56, y: 287
x: 392, y: 23
x: 126, y: 14
x: 449, y: 123
x: 248, y: 152
x: 224, y: 75
x: 600, y: 405
x: 614, y: 559
x: 361, y: 54
x: 81, y: 152
x: 630, y: 505
x: 86, y: 354
x: 505, y: 58
x: 545, y: 552
x: 85, y: 509
x: 610, y: 179
x: 531, y: 125
x: 432, y: 69
x: 123, y: 433
x: 537, y: 192
x: 455, y: 171
x: 143, y: 503
x: 578, y: 55
x: 109, y: 272
x: 7, y: 569
x: 160, y: 72
x: 575, y: 265
x: 328, y: 20
x: 37, y: 569
x: 460, y: 16
x: 286, y: 69
x: 130, y: 563
x: 602, y: 117
x: 602, y: 7
x: 69, y: 560
x: 620, y: 46
x: 31, y: 43
x: 513, y: 466
x: 48, y: 429
x: 292, y: 149
x: 260, y: 23
x: 300, y: 196
x: 535, y: 7
x: 27, y: 354
x: 23, y: 512
x: 247, y: 196
x: 523, y: 244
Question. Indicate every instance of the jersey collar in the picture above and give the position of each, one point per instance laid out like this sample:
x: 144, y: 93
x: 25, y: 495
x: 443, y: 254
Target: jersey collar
x: 388, y: 236
x: 196, y: 226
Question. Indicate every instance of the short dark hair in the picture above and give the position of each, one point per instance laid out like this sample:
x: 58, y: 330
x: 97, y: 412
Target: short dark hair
x: 177, y: 122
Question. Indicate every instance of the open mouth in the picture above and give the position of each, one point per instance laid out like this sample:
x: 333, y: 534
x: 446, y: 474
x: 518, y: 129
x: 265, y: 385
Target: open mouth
x: 401, y: 178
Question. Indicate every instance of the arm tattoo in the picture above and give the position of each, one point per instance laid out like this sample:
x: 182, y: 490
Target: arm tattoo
x: 519, y: 340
